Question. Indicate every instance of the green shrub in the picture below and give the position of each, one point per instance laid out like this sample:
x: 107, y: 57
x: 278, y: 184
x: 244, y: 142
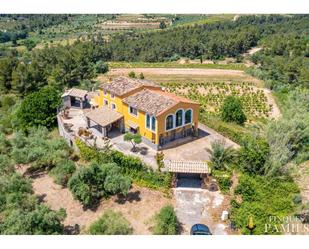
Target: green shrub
x: 232, y: 110
x: 220, y: 155
x: 127, y: 162
x: 110, y: 223
x: 5, y: 145
x: 15, y: 192
x: 40, y: 221
x: 6, y: 165
x: 39, y: 149
x: 87, y: 153
x: 141, y: 76
x: 91, y: 183
x: 297, y: 199
x: 253, y: 156
x: 63, y: 171
x: 134, y: 139
x: 166, y: 222
x: 160, y: 160
x: 39, y: 109
x: 131, y: 166
x: 224, y: 179
x: 235, y: 132
x: 101, y: 67
x: 20, y: 155
x: 262, y: 198
x: 132, y: 74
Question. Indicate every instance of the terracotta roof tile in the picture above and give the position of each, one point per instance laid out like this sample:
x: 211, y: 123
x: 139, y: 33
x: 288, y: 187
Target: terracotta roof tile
x: 186, y: 167
x: 123, y: 85
x: 75, y: 92
x: 175, y: 97
x: 154, y: 102
x: 150, y: 101
x: 103, y: 116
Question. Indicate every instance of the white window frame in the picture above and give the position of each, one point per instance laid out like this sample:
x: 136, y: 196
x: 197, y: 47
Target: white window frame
x: 183, y: 115
x: 150, y: 123
x: 190, y: 109
x: 183, y: 119
x: 174, y: 120
x: 132, y: 114
x: 105, y: 100
x: 112, y: 103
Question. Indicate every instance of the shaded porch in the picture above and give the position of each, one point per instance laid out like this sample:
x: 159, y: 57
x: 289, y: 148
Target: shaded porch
x: 104, y: 122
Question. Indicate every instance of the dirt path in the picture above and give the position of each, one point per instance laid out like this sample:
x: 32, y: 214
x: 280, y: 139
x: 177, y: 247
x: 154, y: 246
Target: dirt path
x: 138, y: 208
x: 275, y: 111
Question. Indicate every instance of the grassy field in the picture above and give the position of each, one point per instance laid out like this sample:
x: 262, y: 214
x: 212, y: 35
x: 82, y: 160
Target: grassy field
x: 175, y: 64
x: 206, y: 19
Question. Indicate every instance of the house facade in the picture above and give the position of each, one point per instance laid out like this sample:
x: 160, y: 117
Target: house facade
x: 145, y: 108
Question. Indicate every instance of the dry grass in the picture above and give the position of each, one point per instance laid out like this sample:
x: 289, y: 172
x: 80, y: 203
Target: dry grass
x: 185, y: 75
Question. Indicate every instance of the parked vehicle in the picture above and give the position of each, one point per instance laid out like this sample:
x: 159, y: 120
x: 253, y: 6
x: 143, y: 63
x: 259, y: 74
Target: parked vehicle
x: 200, y: 229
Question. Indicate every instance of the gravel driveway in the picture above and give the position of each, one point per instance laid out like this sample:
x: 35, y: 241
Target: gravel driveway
x: 199, y: 206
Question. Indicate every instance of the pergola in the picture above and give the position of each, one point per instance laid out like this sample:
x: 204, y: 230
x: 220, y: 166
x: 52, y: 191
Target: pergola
x: 102, y: 118
x: 192, y: 167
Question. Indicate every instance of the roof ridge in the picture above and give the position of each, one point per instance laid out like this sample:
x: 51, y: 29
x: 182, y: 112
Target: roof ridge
x: 174, y: 96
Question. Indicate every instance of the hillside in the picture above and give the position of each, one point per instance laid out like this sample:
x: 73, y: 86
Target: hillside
x: 256, y: 64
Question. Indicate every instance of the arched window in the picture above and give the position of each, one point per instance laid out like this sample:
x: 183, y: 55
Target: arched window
x: 188, y: 116
x: 169, y: 122
x: 179, y: 119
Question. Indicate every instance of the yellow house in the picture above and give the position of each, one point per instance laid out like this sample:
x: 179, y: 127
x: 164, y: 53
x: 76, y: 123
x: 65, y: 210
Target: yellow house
x: 142, y: 106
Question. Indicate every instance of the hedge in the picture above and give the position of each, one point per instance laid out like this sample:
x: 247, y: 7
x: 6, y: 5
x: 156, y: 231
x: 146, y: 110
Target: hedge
x: 131, y: 166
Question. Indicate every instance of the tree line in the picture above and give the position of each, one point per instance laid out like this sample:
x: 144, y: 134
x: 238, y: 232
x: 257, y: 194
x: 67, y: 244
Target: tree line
x: 66, y: 66
x: 210, y: 41
x: 284, y: 61
x: 20, y: 25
